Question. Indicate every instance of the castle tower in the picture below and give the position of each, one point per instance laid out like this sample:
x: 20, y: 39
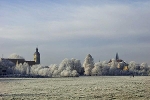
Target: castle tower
x: 37, y: 57
x: 117, y: 57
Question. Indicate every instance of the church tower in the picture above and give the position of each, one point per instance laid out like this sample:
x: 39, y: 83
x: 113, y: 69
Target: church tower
x: 37, y: 57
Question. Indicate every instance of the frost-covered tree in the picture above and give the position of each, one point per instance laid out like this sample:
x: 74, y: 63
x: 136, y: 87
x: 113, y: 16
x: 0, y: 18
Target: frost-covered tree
x: 22, y: 69
x: 88, y: 65
x: 105, y: 68
x: 39, y: 70
x: 138, y: 69
x: 144, y: 66
x: 144, y: 69
x: 15, y: 56
x: 67, y: 68
x: 54, y: 70
x: 97, y: 70
x: 77, y: 65
x: 132, y: 67
x: 113, y: 68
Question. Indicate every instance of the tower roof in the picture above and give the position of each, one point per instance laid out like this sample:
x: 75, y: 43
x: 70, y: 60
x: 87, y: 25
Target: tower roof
x: 37, y: 52
x: 117, y: 57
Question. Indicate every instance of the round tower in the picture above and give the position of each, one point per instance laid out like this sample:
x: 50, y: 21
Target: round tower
x: 37, y: 57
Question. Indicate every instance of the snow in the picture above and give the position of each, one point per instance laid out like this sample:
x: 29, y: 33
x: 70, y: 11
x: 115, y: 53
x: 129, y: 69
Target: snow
x: 84, y: 88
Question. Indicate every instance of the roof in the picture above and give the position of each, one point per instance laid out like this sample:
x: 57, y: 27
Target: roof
x: 30, y: 63
x: 36, y: 53
x: 118, y: 60
x: 15, y: 61
x: 6, y: 62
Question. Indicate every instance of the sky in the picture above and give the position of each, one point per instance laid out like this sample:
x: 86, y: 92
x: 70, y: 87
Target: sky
x: 75, y: 28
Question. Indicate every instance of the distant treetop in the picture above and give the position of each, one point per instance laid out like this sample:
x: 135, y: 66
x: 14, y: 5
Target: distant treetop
x: 15, y: 56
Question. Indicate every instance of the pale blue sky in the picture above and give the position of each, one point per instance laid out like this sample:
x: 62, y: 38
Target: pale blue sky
x: 75, y: 28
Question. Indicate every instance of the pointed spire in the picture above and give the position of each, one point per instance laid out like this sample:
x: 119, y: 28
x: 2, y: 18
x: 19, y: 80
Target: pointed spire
x: 117, y: 57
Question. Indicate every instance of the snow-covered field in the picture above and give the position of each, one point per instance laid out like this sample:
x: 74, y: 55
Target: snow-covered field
x: 84, y: 88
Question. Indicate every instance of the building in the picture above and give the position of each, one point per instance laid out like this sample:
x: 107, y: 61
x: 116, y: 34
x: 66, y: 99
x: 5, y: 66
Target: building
x: 121, y: 63
x: 35, y: 61
x: 5, y: 63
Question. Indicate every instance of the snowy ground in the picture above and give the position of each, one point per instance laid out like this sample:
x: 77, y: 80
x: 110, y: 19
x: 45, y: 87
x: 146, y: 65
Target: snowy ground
x: 83, y: 88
